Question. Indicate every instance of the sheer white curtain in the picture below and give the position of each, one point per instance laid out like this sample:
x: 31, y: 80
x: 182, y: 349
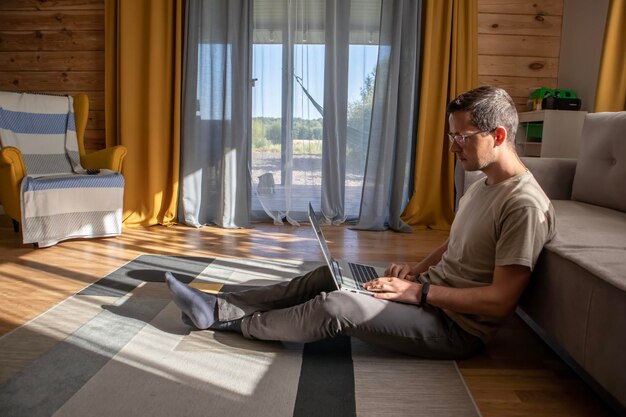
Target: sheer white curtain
x: 314, y: 67
x: 388, y: 174
x: 215, y: 154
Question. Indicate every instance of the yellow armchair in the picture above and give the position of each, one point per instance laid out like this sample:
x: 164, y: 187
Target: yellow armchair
x: 12, y: 169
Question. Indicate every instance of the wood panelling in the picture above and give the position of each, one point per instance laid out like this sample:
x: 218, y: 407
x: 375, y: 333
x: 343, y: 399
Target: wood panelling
x: 44, y: 20
x: 51, y: 4
x: 56, y: 47
x: 52, y: 60
x: 498, y: 44
x: 43, y: 40
x: 514, y: 24
x: 549, y: 7
x: 51, y: 81
x: 518, y: 45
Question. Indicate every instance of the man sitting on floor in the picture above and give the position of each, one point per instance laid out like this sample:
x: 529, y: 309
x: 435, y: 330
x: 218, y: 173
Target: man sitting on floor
x: 446, y: 306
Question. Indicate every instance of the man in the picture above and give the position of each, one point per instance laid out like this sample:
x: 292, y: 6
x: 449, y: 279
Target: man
x: 446, y: 306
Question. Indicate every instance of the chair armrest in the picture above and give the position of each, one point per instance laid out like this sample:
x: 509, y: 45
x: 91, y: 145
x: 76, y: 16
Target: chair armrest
x: 12, y: 171
x: 109, y: 158
x: 11, y: 156
x: 555, y: 175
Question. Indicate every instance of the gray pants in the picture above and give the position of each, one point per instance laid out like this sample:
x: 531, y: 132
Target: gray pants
x: 308, y: 308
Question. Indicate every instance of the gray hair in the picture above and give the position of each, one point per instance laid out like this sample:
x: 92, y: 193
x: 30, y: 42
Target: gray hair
x: 489, y: 108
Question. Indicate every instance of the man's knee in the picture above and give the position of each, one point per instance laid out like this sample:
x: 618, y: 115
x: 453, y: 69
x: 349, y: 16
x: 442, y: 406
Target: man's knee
x: 320, y: 280
x: 322, y: 272
x: 342, y: 306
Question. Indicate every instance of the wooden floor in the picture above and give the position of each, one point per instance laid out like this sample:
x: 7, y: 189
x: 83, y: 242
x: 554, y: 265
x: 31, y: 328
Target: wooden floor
x: 516, y: 375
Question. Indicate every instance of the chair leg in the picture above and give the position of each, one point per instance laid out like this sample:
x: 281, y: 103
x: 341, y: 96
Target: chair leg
x: 16, y: 225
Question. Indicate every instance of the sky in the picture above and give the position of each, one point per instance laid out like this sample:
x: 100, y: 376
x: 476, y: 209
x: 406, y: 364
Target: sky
x: 309, y: 64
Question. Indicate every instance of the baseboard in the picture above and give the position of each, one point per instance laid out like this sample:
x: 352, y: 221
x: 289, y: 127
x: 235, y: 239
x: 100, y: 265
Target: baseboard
x: 607, y: 397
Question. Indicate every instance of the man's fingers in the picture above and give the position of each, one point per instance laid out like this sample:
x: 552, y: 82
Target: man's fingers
x: 385, y: 295
x: 378, y: 285
x: 394, y: 270
x: 401, y: 271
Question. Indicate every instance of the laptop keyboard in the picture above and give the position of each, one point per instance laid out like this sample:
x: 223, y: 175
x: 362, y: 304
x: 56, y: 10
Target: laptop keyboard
x: 362, y: 273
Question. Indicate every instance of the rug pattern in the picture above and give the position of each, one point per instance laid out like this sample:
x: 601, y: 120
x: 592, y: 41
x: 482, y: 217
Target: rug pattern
x: 118, y: 347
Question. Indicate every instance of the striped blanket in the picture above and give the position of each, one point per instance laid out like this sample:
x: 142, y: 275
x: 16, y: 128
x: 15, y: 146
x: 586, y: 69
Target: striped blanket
x: 43, y: 128
x: 57, y: 208
x: 59, y: 200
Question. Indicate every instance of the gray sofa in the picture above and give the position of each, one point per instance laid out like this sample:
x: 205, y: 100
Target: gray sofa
x: 576, y: 300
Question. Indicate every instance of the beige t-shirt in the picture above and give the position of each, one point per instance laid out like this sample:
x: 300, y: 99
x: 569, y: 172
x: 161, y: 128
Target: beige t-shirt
x: 502, y: 224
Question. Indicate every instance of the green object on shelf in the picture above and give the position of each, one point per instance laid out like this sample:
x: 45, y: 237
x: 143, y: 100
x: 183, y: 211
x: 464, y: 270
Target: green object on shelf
x: 542, y: 92
x: 534, y: 131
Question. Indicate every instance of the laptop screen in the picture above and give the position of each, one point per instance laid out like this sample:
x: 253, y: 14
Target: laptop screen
x: 322, y: 241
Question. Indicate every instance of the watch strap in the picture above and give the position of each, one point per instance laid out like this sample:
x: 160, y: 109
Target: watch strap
x: 425, y: 289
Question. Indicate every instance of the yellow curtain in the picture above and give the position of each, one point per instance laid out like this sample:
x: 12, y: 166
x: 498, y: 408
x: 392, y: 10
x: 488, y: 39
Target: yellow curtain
x: 611, y: 88
x: 143, y: 41
x: 449, y: 67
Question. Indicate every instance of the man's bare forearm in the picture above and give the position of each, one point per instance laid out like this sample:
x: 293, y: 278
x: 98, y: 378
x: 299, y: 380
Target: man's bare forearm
x: 496, y: 300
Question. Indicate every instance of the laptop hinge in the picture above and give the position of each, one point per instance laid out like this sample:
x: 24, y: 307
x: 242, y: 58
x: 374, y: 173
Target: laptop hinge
x: 337, y: 270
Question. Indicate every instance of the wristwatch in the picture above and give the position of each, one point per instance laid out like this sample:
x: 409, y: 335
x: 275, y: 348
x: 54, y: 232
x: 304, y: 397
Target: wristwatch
x: 425, y: 288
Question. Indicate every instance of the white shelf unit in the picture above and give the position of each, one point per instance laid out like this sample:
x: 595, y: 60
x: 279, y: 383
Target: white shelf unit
x: 561, y: 133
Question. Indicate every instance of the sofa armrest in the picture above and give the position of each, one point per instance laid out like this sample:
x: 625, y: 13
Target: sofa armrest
x: 555, y: 175
x: 109, y: 158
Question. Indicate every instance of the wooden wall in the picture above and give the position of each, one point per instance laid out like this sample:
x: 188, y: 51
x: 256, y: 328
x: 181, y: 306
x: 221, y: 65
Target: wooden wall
x: 518, y: 45
x: 56, y: 46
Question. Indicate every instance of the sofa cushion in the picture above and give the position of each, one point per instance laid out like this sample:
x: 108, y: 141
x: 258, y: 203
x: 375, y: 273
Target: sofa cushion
x: 593, y: 237
x: 601, y: 169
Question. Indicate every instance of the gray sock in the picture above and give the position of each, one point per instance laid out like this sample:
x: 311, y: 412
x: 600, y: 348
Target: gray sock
x: 198, y: 306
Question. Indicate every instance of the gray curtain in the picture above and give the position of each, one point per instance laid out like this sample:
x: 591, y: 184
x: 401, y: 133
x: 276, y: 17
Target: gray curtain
x: 335, y: 111
x: 389, y: 163
x: 215, y: 155
x: 308, y: 23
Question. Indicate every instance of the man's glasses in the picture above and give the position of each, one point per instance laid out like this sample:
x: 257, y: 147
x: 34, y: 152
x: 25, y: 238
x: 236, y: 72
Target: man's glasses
x: 462, y: 139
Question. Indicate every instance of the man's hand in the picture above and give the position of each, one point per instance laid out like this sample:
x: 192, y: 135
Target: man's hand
x: 402, y: 271
x: 396, y: 289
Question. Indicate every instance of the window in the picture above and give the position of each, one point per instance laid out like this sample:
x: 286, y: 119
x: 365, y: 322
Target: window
x: 289, y: 96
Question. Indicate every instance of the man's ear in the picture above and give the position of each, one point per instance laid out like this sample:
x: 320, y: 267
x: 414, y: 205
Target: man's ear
x: 500, y: 135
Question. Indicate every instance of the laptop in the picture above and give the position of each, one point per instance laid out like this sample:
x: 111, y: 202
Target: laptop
x: 348, y: 276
